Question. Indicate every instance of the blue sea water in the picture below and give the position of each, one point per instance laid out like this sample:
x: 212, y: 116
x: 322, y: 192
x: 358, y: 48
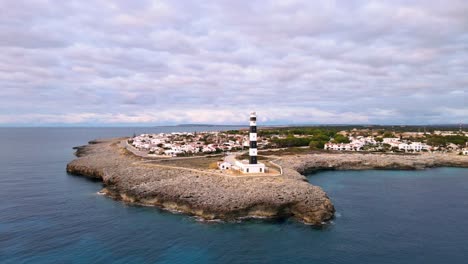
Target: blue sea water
x: 48, y: 216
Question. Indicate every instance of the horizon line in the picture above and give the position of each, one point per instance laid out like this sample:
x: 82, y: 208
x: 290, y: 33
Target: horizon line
x: 219, y: 125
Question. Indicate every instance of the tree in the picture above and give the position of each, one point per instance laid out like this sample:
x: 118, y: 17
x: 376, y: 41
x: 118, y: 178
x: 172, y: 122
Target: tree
x: 340, y: 139
x: 388, y: 134
x: 316, y: 144
x: 291, y: 141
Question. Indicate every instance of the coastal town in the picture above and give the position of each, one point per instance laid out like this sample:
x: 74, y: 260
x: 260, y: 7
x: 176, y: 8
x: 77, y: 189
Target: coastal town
x: 185, y: 143
x: 212, y: 142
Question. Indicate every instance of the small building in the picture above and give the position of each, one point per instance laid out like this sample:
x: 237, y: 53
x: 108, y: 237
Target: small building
x: 354, y: 146
x: 413, y: 146
x: 224, y: 165
x: 391, y: 141
x: 246, y: 167
x: 172, y: 152
x: 452, y: 146
x: 465, y: 151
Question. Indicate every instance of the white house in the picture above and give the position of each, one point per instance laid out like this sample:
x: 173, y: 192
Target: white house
x: 413, y: 146
x: 394, y: 142
x: 208, y: 149
x: 452, y: 146
x: 224, y: 165
x: 369, y: 140
x: 172, y: 152
x: 145, y: 146
x: 465, y: 151
x: 156, y: 141
x: 354, y: 146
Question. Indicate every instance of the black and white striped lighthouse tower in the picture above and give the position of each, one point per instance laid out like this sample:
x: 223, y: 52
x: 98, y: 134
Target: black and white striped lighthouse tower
x: 253, y: 139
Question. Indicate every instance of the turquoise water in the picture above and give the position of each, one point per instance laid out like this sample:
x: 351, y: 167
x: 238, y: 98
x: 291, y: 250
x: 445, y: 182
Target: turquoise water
x: 48, y: 216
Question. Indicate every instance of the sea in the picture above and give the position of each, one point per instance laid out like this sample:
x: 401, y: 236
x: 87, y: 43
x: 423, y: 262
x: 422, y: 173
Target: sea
x: 383, y: 216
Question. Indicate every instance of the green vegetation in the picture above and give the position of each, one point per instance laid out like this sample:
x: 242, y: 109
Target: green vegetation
x: 314, y: 137
x: 302, y: 131
x: 385, y: 131
x: 388, y: 134
x: 291, y: 141
x: 340, y: 139
x: 436, y: 140
x: 316, y: 144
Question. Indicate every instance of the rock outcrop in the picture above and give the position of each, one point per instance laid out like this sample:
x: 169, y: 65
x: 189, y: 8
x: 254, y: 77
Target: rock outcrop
x: 201, y: 194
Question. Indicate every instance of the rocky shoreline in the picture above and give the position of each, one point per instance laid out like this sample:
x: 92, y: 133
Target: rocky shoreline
x: 200, y: 194
x: 310, y: 163
x: 126, y: 177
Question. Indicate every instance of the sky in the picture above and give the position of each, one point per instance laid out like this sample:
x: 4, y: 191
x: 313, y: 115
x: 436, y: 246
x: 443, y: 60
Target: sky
x: 116, y: 63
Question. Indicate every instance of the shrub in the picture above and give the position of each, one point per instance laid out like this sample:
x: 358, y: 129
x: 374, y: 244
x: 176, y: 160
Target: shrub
x: 213, y: 165
x: 316, y: 144
x: 340, y: 139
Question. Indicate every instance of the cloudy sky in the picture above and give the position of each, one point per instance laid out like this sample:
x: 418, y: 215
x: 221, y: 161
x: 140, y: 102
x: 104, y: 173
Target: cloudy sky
x: 169, y: 62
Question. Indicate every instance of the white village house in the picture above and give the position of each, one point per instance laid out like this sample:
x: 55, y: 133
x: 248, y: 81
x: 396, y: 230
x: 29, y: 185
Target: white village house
x: 224, y: 165
x: 356, y: 144
x: 413, y: 146
x: 343, y: 146
x: 393, y: 142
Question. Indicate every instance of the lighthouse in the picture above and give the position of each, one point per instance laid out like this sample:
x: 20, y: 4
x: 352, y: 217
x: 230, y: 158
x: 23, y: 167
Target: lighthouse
x: 253, y: 138
x: 251, y: 165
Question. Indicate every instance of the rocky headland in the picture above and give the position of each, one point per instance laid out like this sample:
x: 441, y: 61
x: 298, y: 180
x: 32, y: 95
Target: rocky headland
x: 216, y: 196
x: 206, y: 195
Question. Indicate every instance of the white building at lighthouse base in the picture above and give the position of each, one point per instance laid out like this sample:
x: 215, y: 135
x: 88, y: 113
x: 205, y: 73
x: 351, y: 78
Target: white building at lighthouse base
x: 245, y: 167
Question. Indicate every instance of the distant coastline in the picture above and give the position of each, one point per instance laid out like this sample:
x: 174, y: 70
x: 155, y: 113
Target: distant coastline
x: 205, y: 125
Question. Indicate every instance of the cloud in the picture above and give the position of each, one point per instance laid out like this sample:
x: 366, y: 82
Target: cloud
x: 146, y: 62
x: 176, y: 116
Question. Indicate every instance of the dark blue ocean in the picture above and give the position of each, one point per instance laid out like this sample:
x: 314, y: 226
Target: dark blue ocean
x: 48, y: 216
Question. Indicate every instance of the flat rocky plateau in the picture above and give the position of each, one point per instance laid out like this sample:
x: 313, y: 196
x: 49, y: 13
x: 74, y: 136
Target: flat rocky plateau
x: 206, y: 195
